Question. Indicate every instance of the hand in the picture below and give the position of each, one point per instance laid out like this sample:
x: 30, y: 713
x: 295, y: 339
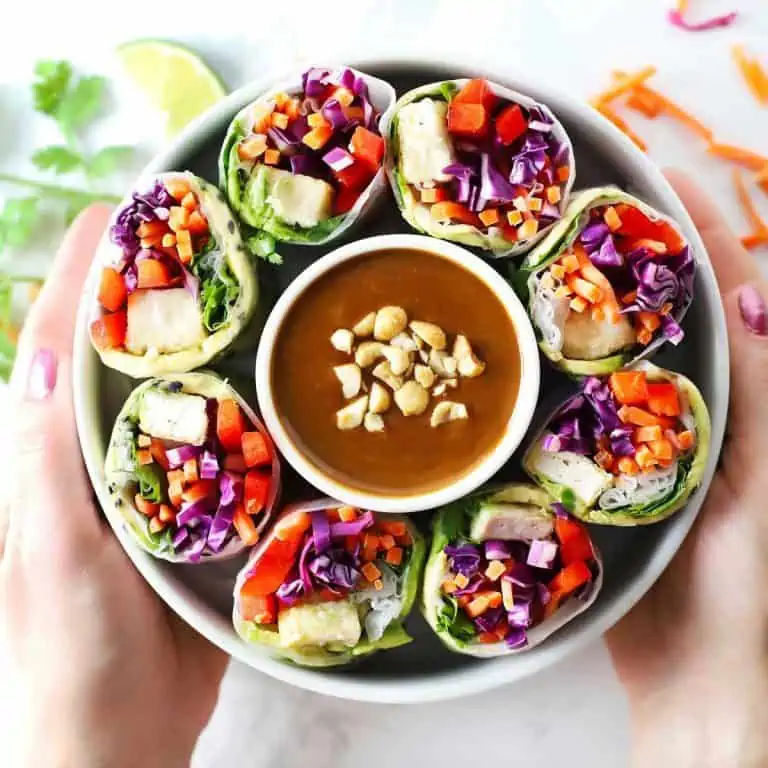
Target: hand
x: 692, y: 653
x: 110, y: 676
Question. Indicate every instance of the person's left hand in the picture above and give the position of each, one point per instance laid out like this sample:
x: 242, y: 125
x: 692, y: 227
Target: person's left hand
x: 109, y: 676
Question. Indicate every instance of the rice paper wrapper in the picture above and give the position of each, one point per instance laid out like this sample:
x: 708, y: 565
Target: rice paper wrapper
x: 690, y: 470
x: 122, y: 485
x: 268, y: 637
x: 555, y: 244
x: 262, y: 217
x: 226, y: 232
x: 452, y: 523
x: 418, y: 215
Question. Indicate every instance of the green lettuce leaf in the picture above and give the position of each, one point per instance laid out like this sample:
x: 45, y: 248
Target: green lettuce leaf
x: 219, y: 290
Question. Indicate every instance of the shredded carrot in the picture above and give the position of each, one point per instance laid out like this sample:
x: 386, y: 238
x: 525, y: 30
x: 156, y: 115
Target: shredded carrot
x: 750, y: 242
x: 747, y: 204
x: 649, y: 320
x: 644, y: 456
x: 740, y: 156
x: 570, y: 262
x: 762, y: 179
x: 578, y: 304
x: 644, y: 337
x: 645, y: 104
x: 754, y: 75
x: 394, y: 556
x: 627, y: 466
x: 627, y: 82
x: 461, y: 580
x: 671, y: 108
x: 622, y: 125
x: 585, y: 289
x: 371, y: 572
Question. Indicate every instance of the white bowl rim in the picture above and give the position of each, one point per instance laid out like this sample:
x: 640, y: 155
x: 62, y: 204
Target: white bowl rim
x: 487, y: 466
x: 477, y: 677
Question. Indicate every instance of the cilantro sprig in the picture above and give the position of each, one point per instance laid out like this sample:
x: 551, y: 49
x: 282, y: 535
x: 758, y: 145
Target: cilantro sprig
x: 73, y: 103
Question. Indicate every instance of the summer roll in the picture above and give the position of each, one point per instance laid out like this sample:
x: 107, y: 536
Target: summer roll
x: 178, y: 286
x: 609, y: 284
x: 628, y: 449
x: 191, y: 469
x: 304, y: 161
x: 480, y: 164
x: 330, y: 584
x: 506, y: 569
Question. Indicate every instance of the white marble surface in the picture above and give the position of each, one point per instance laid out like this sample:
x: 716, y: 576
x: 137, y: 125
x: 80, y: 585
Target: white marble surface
x: 573, y: 712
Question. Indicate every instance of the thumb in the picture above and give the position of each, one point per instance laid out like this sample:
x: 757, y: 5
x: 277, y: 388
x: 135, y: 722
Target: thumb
x: 50, y: 497
x: 747, y: 319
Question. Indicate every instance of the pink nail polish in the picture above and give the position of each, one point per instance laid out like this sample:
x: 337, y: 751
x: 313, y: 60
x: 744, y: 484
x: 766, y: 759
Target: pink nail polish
x: 42, y: 374
x: 753, y: 311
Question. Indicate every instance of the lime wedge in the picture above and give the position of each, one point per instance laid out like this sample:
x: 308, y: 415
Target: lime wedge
x: 175, y: 79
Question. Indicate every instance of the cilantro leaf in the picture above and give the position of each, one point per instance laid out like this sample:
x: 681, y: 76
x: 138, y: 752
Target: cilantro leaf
x: 51, y: 86
x: 57, y: 158
x: 80, y: 104
x: 18, y: 219
x: 106, y: 160
x: 263, y: 245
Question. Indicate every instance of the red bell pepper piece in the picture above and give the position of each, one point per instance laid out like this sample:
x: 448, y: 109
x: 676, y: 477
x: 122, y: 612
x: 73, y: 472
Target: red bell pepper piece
x: 476, y: 91
x: 357, y: 176
x: 256, y: 491
x: 571, y: 578
x: 108, y: 332
x: 261, y: 609
x: 230, y: 425
x: 256, y: 450
x: 511, y: 123
x: 467, y: 119
x: 575, y: 545
x: 636, y: 225
x: 663, y: 399
x: 112, y: 290
x: 367, y: 146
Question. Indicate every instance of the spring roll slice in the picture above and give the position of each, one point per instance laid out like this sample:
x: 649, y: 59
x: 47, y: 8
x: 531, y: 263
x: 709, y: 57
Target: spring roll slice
x: 191, y: 469
x: 330, y: 584
x: 629, y: 449
x: 175, y: 286
x: 448, y: 183
x: 304, y: 162
x: 609, y: 285
x: 506, y: 570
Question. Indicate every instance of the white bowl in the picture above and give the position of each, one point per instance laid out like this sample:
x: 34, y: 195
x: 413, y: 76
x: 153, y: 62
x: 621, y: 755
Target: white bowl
x: 454, y: 488
x: 424, y: 670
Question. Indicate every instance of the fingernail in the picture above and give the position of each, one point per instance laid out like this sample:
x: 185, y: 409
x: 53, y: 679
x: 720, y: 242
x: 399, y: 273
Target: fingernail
x: 753, y: 311
x: 42, y: 374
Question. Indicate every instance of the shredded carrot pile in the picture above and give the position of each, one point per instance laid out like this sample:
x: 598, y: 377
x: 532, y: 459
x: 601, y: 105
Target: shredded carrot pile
x: 753, y: 73
x: 641, y: 98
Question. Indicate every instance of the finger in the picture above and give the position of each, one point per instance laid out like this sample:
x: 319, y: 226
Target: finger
x: 50, y: 499
x: 747, y: 320
x: 732, y: 263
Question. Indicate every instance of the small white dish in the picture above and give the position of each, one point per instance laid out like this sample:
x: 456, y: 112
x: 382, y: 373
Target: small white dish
x: 454, y: 488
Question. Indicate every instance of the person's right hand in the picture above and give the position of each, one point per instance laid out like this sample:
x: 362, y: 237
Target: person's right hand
x: 692, y: 654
